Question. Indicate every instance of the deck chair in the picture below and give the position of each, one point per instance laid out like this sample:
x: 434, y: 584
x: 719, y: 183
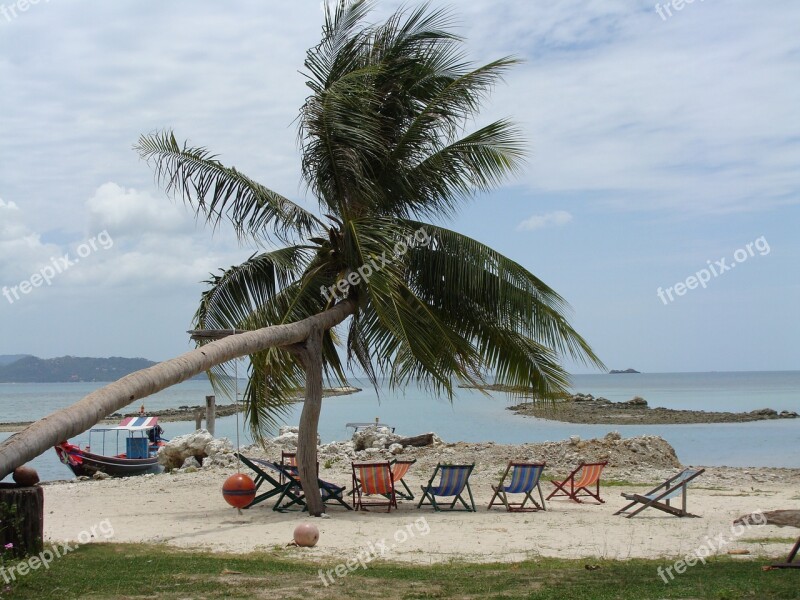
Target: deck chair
x: 285, y: 490
x: 373, y: 479
x: 524, y: 479
x: 331, y: 493
x: 659, y: 497
x: 589, y: 476
x: 453, y: 480
x: 287, y: 487
x: 790, y: 562
x: 399, y: 470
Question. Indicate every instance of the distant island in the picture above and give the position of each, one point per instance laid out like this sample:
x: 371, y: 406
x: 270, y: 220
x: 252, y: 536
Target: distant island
x: 32, y: 369
x: 616, y: 372
x: 7, y: 359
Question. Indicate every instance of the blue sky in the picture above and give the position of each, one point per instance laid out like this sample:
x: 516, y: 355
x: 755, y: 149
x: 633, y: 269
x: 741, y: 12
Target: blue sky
x: 656, y: 146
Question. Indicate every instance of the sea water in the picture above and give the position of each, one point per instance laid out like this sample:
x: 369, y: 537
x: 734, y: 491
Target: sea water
x: 475, y: 417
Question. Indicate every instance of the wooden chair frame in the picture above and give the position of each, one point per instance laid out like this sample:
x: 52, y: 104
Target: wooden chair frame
x: 659, y: 497
x: 790, y: 561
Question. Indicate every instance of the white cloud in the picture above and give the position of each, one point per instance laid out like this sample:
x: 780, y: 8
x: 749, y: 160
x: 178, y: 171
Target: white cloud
x: 130, y: 212
x: 21, y: 248
x: 133, y: 241
x: 556, y: 218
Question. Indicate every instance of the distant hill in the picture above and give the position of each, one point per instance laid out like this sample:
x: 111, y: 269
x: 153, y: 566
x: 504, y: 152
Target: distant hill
x: 616, y: 372
x: 7, y: 359
x: 31, y: 369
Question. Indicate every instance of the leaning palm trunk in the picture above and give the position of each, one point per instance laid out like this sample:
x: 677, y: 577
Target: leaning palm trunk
x: 40, y: 436
x: 310, y: 355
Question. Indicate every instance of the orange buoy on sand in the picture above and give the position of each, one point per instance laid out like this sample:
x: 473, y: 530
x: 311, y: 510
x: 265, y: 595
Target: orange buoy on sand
x: 306, y: 534
x: 239, y: 490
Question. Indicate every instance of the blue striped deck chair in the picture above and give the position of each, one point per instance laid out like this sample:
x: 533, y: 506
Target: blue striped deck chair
x: 453, y: 479
x: 659, y: 497
x: 524, y: 479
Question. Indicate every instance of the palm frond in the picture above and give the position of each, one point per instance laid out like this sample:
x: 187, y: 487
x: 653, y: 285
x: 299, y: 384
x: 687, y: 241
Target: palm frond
x: 218, y: 192
x: 479, y: 286
x: 380, y: 133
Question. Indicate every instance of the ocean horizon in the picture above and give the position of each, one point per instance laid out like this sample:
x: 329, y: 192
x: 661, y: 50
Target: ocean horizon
x: 477, y: 417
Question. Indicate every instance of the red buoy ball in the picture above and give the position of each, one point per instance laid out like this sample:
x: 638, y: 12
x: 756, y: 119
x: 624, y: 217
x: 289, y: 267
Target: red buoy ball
x: 239, y: 490
x: 306, y: 535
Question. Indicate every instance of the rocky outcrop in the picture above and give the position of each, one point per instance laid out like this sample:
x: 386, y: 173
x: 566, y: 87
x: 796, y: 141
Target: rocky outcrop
x: 196, y: 450
x: 641, y: 451
x: 287, y: 437
x: 585, y: 408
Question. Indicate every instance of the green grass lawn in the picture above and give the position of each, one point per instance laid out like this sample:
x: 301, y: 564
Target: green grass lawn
x: 149, y: 571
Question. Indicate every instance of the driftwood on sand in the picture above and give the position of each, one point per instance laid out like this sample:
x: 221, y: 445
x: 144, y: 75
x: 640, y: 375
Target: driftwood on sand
x: 781, y: 518
x: 418, y: 441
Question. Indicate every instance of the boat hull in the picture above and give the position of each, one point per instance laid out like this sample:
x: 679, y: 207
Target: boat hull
x: 84, y: 463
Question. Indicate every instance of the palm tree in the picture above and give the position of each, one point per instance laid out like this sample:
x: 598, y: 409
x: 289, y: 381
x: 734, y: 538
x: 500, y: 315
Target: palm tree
x: 386, y: 155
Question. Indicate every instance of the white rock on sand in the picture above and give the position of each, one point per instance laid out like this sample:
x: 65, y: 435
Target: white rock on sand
x: 187, y: 509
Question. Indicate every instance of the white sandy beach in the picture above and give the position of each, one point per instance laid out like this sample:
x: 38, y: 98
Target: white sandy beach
x: 187, y: 510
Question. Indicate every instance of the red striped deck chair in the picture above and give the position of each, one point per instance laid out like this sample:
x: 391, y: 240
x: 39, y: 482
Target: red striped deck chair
x: 573, y: 485
x: 660, y: 496
x: 453, y: 480
x: 524, y: 479
x: 373, y: 479
x: 399, y: 470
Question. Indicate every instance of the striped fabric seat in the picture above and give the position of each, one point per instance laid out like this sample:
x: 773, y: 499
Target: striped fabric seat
x: 524, y: 479
x: 453, y: 480
x: 590, y: 474
x: 399, y: 470
x: 579, y: 482
x: 373, y: 479
x: 659, y: 497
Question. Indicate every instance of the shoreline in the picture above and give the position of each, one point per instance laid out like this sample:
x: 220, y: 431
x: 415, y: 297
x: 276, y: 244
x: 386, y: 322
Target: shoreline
x: 183, y: 413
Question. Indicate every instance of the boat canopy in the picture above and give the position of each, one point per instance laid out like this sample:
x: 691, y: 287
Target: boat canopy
x: 132, y: 424
x: 359, y: 426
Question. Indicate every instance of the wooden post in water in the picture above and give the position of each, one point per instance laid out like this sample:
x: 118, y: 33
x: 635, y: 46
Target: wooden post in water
x: 198, y: 419
x: 211, y: 413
